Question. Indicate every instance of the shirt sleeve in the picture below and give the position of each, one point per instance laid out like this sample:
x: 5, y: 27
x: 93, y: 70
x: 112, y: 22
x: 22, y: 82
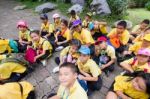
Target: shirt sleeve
x: 64, y: 51
x: 51, y: 28
x: 125, y: 37
x: 112, y: 33
x: 45, y: 45
x: 94, y: 69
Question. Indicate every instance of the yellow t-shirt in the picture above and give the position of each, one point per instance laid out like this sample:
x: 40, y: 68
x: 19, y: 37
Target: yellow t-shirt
x: 137, y: 67
x: 73, y: 19
x: 10, y: 67
x: 139, y: 38
x: 110, y: 52
x: 66, y: 51
x: 102, y: 29
x: 137, y: 29
x: 85, y: 23
x: 135, y: 47
x: 121, y: 84
x: 25, y: 35
x: 57, y: 25
x: 4, y: 46
x: 124, y: 37
x: 43, y: 44
x: 89, y: 67
x: 12, y: 90
x: 67, y: 34
x: 85, y: 37
x: 45, y: 27
x: 75, y: 92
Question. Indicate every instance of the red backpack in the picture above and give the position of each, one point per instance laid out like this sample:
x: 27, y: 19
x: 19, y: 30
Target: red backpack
x: 30, y: 54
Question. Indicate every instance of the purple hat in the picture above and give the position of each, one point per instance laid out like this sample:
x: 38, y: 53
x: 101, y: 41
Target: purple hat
x: 76, y: 23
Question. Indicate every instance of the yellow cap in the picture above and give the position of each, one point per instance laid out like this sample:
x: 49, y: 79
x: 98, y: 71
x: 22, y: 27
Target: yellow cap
x: 147, y: 37
x: 89, y: 14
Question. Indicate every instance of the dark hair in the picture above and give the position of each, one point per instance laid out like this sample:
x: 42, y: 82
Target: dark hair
x: 70, y: 65
x: 122, y: 23
x: 73, y: 12
x: 146, y: 21
x: 65, y: 22
x: 142, y: 74
x: 44, y: 16
x: 75, y: 42
x: 35, y: 31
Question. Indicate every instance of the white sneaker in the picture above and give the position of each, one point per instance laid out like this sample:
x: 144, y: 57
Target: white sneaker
x: 56, y: 69
x: 44, y: 62
x: 59, y: 48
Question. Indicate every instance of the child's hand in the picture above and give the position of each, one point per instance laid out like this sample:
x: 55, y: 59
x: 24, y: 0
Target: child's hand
x: 58, y: 43
x: 35, y: 58
x: 81, y: 77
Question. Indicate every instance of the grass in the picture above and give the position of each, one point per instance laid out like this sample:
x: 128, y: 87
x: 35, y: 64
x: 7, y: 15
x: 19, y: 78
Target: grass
x: 137, y: 15
x: 134, y: 15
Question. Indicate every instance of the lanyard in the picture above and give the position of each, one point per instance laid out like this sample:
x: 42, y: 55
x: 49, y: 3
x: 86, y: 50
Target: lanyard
x: 64, y: 94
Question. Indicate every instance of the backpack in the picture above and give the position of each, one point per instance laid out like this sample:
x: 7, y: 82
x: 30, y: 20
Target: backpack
x: 30, y: 54
x: 4, y: 46
x: 115, y: 42
x: 13, y: 44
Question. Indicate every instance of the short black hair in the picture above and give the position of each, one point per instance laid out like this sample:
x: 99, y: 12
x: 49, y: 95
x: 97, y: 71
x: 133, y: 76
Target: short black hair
x: 73, y: 12
x: 64, y: 21
x: 35, y: 31
x: 75, y: 42
x: 122, y: 23
x: 146, y: 21
x: 70, y: 65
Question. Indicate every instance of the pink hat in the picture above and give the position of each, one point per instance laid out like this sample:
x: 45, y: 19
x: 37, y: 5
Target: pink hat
x: 22, y: 23
x: 145, y: 52
x: 56, y: 15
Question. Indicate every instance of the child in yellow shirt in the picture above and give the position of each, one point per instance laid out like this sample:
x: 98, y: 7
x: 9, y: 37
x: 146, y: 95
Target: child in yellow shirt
x: 68, y: 54
x: 87, y: 20
x: 42, y: 46
x: 24, y: 35
x: 63, y: 36
x: 47, y: 29
x: 57, y: 22
x: 138, y: 63
x: 89, y: 70
x: 133, y: 86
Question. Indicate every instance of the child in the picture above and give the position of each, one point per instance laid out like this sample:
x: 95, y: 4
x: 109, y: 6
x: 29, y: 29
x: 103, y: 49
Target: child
x: 42, y: 46
x: 68, y: 54
x: 57, y: 22
x: 69, y: 86
x: 87, y: 20
x: 107, y: 56
x: 89, y: 70
x: 133, y: 49
x: 98, y: 29
x: 81, y: 34
x: 46, y: 27
x: 63, y: 36
x: 73, y: 17
x: 138, y: 63
x: 24, y: 36
x: 17, y: 90
x: 119, y: 38
x: 138, y: 29
x: 133, y: 86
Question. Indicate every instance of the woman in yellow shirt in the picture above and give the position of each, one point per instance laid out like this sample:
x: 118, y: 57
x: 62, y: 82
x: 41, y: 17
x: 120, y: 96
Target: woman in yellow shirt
x: 42, y: 47
x: 24, y: 35
x: 138, y: 63
x: 63, y: 36
x: 133, y: 86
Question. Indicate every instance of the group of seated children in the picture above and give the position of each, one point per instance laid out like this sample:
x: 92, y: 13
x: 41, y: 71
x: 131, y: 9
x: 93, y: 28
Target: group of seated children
x: 87, y: 50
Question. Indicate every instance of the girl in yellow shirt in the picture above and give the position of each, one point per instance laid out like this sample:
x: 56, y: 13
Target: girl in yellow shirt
x: 133, y: 86
x: 42, y: 47
x: 24, y: 35
x: 63, y: 36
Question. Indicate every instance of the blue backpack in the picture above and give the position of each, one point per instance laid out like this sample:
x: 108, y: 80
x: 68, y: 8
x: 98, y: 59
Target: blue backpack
x: 13, y: 44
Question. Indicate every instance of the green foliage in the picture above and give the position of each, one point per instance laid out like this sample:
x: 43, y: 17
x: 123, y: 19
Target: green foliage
x: 118, y: 7
x: 137, y: 3
x: 147, y: 6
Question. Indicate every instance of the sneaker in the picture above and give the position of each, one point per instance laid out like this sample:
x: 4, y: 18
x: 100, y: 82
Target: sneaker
x: 44, y: 62
x: 56, y: 69
x: 59, y: 48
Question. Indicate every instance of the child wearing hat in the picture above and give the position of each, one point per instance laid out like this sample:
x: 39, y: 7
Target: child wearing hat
x: 106, y: 57
x: 98, y: 29
x: 89, y: 70
x: 24, y: 35
x: 46, y: 28
x: 87, y: 20
x: 69, y: 86
x: 138, y: 63
x: 81, y: 34
x: 73, y: 17
x: 133, y: 49
x: 57, y: 22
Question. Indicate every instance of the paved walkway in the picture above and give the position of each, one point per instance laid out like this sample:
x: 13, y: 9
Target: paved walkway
x: 42, y: 78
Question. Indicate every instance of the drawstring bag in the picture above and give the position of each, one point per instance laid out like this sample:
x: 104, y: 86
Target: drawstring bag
x: 115, y: 42
x: 30, y: 54
x: 14, y: 46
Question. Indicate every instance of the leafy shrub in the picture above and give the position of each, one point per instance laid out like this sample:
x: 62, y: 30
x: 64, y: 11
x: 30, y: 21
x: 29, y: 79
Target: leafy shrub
x: 137, y: 3
x: 147, y: 5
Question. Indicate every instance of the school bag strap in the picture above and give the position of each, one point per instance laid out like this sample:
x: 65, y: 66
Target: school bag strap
x: 134, y: 61
x: 21, y: 89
